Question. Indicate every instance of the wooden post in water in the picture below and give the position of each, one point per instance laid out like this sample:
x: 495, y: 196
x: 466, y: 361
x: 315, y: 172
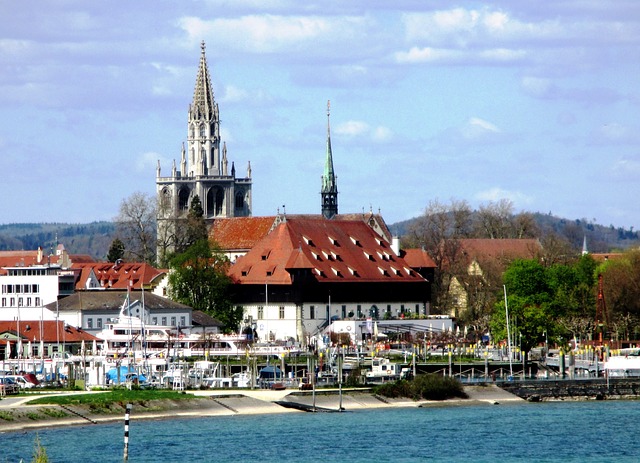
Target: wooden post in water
x: 126, y: 432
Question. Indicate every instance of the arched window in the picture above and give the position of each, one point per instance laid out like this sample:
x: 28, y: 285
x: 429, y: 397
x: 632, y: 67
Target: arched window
x: 240, y: 200
x: 165, y: 200
x: 202, y: 131
x: 215, y: 201
x: 183, y: 199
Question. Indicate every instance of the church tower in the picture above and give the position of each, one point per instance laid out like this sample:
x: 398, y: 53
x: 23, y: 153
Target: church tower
x: 204, y: 170
x: 329, y: 190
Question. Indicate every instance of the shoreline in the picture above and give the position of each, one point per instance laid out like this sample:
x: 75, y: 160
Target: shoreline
x: 229, y: 403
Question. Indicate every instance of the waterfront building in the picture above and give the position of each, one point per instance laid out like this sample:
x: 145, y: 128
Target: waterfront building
x: 30, y: 280
x: 482, y: 263
x: 308, y: 272
x: 91, y: 310
x: 37, y: 338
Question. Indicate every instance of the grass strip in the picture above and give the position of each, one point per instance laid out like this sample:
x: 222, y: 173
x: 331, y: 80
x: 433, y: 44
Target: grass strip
x: 113, y: 396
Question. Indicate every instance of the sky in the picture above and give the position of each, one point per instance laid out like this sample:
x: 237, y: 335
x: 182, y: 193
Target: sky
x: 534, y: 102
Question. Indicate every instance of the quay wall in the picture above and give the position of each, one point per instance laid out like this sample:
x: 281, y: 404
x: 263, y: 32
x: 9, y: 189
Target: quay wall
x: 581, y: 389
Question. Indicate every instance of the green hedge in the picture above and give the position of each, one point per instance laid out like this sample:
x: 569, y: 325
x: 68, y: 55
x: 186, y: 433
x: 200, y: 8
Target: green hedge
x: 423, y: 387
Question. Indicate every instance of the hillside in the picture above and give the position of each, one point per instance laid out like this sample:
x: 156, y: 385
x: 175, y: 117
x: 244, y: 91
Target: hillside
x: 599, y: 237
x: 95, y: 238
x: 91, y: 238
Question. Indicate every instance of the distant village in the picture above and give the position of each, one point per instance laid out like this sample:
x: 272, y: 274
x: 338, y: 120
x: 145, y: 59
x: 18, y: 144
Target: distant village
x: 301, y: 280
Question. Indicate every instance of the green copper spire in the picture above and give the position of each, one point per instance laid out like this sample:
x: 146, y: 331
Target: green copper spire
x: 329, y: 191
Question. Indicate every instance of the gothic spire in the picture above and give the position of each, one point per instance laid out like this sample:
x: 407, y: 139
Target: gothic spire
x: 203, y: 100
x: 329, y: 190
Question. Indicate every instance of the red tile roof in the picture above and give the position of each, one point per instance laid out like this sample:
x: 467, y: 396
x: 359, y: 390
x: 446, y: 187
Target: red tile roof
x: 601, y: 257
x: 30, y: 331
x: 418, y: 258
x: 37, y: 257
x: 496, y: 251
x: 118, y: 276
x: 240, y: 232
x: 333, y: 250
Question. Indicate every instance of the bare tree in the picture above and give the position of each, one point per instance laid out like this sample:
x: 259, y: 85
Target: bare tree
x: 437, y: 231
x: 136, y: 226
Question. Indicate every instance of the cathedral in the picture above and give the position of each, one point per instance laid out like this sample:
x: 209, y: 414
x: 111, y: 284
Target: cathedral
x: 204, y: 169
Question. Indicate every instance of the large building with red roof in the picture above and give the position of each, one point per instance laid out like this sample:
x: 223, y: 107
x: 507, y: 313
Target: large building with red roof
x: 31, y: 279
x: 35, y: 338
x: 306, y: 272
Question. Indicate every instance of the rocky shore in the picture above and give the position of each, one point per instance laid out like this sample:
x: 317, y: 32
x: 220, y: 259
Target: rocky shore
x: 17, y: 415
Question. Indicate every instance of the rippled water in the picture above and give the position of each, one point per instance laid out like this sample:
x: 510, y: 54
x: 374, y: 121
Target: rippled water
x: 545, y: 432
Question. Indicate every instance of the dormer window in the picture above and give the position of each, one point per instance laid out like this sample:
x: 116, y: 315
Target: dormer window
x: 307, y: 240
x: 355, y: 241
x: 334, y: 241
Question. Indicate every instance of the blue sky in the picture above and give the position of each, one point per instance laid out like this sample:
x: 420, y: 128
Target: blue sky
x: 535, y: 102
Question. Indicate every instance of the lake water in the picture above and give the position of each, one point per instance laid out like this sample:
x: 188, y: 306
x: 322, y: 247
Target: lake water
x: 543, y: 432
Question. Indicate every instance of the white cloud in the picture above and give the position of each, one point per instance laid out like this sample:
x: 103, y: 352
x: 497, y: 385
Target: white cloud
x: 273, y: 33
x: 382, y: 134
x: 496, y: 194
x: 352, y: 128
x: 626, y: 169
x: 477, y: 128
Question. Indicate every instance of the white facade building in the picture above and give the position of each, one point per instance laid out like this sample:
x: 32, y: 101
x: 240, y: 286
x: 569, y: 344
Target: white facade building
x: 25, y: 291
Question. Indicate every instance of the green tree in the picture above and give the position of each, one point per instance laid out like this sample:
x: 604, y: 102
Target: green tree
x: 199, y: 279
x: 195, y: 227
x: 116, y: 250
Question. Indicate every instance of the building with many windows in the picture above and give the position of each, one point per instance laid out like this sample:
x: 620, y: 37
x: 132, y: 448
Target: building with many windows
x: 307, y: 272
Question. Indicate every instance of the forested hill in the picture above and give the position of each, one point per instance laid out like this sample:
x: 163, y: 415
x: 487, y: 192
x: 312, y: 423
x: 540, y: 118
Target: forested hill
x: 91, y: 238
x: 600, y: 238
x: 95, y: 238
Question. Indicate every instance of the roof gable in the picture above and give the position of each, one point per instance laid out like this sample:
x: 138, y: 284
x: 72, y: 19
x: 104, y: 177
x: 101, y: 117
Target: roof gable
x: 117, y: 276
x: 330, y: 250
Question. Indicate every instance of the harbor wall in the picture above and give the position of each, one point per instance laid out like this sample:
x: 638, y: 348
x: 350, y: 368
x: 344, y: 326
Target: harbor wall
x: 581, y: 389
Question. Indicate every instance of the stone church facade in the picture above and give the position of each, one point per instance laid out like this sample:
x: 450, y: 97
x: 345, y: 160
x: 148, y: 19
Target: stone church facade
x: 204, y: 169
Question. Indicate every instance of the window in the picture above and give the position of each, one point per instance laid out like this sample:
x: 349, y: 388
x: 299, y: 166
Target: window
x: 4, y: 302
x: 173, y: 321
x: 260, y: 313
x: 154, y: 320
x: 13, y: 302
x: 99, y: 323
x: 183, y: 321
x: 20, y: 302
x: 37, y: 301
x: 359, y: 311
x: 164, y: 321
x: 89, y: 323
x: 312, y: 312
x: 281, y: 312
x: 28, y: 302
x: 344, y: 311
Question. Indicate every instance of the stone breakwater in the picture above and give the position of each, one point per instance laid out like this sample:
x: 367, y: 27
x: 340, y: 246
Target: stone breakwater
x: 581, y: 389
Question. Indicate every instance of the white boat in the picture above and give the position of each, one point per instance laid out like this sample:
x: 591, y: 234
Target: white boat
x: 624, y: 364
x: 382, y: 369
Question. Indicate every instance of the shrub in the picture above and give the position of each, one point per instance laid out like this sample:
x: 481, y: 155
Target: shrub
x: 427, y: 387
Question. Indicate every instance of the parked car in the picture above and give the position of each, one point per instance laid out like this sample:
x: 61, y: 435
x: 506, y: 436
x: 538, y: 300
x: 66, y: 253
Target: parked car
x: 8, y: 386
x: 21, y: 381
